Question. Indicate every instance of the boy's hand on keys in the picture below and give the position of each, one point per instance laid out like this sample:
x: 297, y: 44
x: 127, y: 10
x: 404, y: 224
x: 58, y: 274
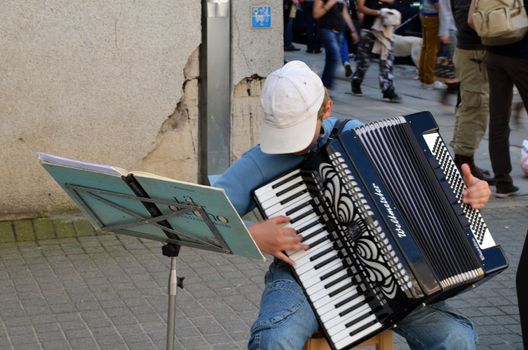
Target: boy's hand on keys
x: 273, y: 237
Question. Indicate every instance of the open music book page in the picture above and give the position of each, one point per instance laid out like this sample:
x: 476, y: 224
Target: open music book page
x: 110, y: 195
x: 77, y: 164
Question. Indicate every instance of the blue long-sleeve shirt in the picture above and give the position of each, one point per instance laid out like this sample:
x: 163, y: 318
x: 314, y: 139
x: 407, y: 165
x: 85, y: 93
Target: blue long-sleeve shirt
x: 256, y: 168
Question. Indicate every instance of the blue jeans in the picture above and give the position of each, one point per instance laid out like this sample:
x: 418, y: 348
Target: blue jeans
x: 343, y: 51
x: 331, y: 41
x: 286, y: 320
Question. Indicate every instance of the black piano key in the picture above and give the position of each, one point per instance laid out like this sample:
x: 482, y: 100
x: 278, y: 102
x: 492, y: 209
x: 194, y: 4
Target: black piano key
x: 313, y: 234
x: 357, y: 320
x: 336, y: 281
x: 362, y: 328
x: 290, y: 198
x: 343, y: 302
x: 331, y: 273
x: 340, y: 289
x: 302, y: 216
x: 326, y: 262
x: 297, y: 208
x: 288, y: 189
x: 308, y: 226
x: 286, y: 180
x: 354, y: 307
x: 321, y: 253
x: 319, y: 241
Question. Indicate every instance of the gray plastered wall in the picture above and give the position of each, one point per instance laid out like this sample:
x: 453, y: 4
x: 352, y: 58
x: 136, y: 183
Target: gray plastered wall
x: 255, y: 53
x: 115, y: 83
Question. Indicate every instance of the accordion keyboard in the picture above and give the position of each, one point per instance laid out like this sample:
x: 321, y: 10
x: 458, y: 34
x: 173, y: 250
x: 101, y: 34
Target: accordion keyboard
x: 342, y: 303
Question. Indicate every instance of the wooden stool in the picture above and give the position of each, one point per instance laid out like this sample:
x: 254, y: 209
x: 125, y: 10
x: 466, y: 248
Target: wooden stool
x: 382, y: 341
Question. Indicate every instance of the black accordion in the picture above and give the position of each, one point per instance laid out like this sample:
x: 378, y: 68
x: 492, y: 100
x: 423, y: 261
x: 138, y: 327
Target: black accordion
x: 380, y: 207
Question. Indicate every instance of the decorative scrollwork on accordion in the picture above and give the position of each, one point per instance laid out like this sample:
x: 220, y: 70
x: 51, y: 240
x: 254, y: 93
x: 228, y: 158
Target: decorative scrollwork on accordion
x: 347, y: 215
x: 338, y: 199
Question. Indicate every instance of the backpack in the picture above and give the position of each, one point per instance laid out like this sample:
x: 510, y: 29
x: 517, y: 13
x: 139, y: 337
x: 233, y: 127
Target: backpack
x: 500, y: 22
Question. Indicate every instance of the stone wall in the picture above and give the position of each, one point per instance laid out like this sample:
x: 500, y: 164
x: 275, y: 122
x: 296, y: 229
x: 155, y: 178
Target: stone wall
x: 95, y: 81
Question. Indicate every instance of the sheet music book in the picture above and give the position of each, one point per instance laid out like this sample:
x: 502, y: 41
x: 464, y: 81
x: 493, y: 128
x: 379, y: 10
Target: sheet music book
x: 109, y: 195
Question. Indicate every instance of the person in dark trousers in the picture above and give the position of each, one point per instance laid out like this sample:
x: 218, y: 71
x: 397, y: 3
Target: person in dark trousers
x: 290, y: 6
x: 313, y: 44
x: 507, y: 66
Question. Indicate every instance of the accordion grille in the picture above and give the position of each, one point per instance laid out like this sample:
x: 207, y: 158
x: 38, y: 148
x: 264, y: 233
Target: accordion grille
x: 416, y: 190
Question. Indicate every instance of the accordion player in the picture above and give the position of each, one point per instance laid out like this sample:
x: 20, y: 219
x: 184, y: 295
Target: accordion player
x: 380, y: 207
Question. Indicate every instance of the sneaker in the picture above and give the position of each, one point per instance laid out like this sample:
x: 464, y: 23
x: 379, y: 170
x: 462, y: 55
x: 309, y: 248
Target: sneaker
x: 506, y: 191
x: 356, y: 88
x: 391, y: 96
x: 483, y: 171
x: 426, y: 86
x: 348, y: 69
x: 438, y: 85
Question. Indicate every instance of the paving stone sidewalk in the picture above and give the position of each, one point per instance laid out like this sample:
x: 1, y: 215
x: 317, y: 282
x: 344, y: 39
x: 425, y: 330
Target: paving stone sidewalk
x: 65, y: 286
x: 94, y: 290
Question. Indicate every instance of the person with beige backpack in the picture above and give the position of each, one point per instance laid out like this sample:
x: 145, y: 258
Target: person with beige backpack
x: 503, y: 27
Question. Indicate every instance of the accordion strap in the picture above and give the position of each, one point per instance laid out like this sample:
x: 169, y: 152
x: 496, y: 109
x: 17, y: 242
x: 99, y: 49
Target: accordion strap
x: 338, y: 127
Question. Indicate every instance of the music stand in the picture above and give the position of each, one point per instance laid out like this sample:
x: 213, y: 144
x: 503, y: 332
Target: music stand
x: 175, y: 238
x: 145, y: 205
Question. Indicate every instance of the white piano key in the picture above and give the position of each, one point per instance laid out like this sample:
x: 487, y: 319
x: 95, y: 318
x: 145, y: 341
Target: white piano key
x: 329, y: 307
x: 300, y: 225
x: 314, y: 287
x: 316, y: 294
x: 305, y: 264
x: 335, y: 313
x: 313, y: 239
x: 276, y: 208
x: 295, y: 214
x: 340, y: 326
x: 312, y: 277
x: 327, y: 299
x: 294, y: 217
x: 341, y: 321
x: 269, y: 187
x: 279, y: 208
x: 297, y: 255
x: 269, y: 198
x: 338, y: 284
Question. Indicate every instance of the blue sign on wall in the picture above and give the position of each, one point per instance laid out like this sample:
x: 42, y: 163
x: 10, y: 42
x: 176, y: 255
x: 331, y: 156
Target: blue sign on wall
x: 261, y: 17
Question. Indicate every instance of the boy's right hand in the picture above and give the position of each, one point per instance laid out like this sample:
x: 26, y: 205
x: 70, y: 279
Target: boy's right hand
x: 273, y: 238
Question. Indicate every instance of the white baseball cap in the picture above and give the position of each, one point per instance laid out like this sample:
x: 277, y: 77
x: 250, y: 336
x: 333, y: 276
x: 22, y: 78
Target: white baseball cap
x: 291, y: 98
